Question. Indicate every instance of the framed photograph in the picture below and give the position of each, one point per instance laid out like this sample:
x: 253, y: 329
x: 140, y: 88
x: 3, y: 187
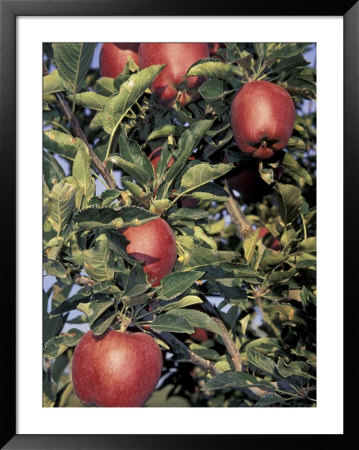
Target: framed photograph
x: 167, y: 235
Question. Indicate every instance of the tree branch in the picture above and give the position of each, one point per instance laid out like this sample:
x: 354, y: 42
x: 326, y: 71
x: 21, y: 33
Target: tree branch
x: 190, y: 356
x: 238, y: 217
x: 80, y: 134
x: 231, y: 346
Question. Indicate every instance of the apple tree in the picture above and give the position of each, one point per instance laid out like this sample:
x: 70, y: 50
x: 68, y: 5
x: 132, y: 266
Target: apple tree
x: 179, y: 216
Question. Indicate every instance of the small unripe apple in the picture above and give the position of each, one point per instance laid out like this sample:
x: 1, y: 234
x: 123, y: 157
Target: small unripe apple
x: 114, y: 57
x: 155, y: 244
x: 269, y: 240
x: 154, y: 157
x: 262, y: 118
x: 171, y: 83
x: 116, y: 369
x: 245, y: 179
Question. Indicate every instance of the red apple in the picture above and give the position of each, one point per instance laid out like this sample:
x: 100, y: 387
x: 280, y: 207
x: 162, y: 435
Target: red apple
x: 269, y: 240
x: 262, y: 118
x: 245, y: 179
x: 154, y: 157
x: 201, y: 335
x: 214, y: 47
x: 114, y: 57
x: 116, y: 369
x: 155, y: 244
x: 171, y: 83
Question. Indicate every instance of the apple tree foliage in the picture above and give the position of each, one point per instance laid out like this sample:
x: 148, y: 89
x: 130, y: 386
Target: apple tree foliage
x: 258, y: 304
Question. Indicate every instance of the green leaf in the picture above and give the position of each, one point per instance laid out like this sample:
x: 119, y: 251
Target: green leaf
x: 186, y: 144
x: 136, y: 286
x: 52, y: 170
x: 133, y: 160
x: 198, y: 256
x: 63, y: 395
x: 48, y: 392
x: 209, y: 192
x: 137, y: 173
x: 95, y: 309
x: 201, y: 174
x: 62, y: 143
x: 58, y: 344
x: 61, y: 205
x: 52, y: 83
x: 188, y: 213
x: 289, y: 199
x: 73, y: 61
x: 292, y: 166
x: 166, y: 130
x: 288, y: 313
x: 82, y: 173
x: 103, y: 322
x: 293, y: 368
x: 232, y: 292
x: 213, y: 90
x: 249, y: 246
x: 55, y: 268
x: 172, y: 323
x: 50, y: 326
x: 96, y: 260
x: 261, y: 362
x: 236, y: 380
x: 211, y: 68
x: 270, y: 399
x: 90, y: 100
x: 204, y: 352
x: 70, y: 303
x: 309, y: 244
x: 197, y: 319
x: 189, y: 300
x: 119, y: 105
x: 106, y: 86
x: 110, y: 218
x: 243, y: 271
x: 176, y: 283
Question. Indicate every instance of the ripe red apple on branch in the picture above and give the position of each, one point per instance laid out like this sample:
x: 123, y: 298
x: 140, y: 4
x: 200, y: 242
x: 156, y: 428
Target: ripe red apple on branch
x: 171, y: 83
x: 155, y: 244
x: 114, y: 57
x: 116, y: 368
x: 262, y: 118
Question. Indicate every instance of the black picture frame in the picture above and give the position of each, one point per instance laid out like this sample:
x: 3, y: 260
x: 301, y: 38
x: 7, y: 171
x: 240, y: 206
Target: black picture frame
x: 9, y: 10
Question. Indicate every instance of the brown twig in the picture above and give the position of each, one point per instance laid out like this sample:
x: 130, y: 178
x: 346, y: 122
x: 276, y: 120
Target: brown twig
x: 80, y: 134
x: 230, y: 345
x: 238, y: 217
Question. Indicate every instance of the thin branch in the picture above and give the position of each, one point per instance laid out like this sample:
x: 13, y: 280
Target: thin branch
x: 190, y: 356
x: 231, y: 346
x: 238, y: 217
x: 80, y: 134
